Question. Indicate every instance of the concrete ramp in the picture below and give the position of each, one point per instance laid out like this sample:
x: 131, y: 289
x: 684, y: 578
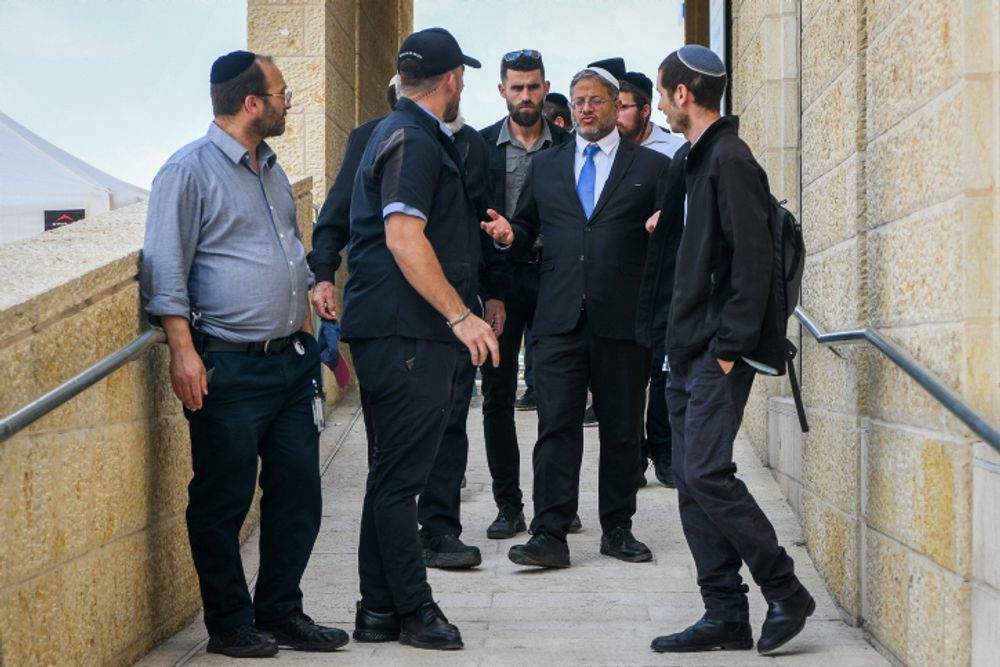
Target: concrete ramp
x: 598, y: 612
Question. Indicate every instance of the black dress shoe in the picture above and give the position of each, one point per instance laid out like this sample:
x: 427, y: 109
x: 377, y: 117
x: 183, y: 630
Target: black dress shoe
x: 427, y: 627
x: 707, y: 635
x: 244, y: 641
x: 665, y: 475
x: 785, y: 619
x: 447, y: 551
x: 542, y: 550
x: 643, y: 464
x: 375, y: 626
x: 575, y: 526
x: 302, y: 634
x: 620, y: 543
x: 509, y: 522
x: 527, y: 400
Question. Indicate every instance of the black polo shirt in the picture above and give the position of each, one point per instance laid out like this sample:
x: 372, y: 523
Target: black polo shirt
x: 409, y: 160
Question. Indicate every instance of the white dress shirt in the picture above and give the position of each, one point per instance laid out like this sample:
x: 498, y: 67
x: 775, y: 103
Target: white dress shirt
x: 603, y: 159
x: 662, y: 141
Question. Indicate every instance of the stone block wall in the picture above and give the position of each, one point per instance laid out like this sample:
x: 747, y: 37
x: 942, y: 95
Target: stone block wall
x: 95, y: 566
x: 337, y: 57
x: 882, y: 116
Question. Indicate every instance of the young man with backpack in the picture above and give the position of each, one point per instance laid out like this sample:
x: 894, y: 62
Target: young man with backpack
x: 723, y: 329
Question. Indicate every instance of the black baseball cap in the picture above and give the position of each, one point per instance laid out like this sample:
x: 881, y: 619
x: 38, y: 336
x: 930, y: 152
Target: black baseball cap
x: 436, y: 50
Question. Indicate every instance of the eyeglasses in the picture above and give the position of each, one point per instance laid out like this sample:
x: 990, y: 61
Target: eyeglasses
x: 287, y: 95
x: 523, y: 54
x: 595, y: 102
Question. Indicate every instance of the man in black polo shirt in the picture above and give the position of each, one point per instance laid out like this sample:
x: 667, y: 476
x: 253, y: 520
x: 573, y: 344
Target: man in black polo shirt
x: 413, y: 267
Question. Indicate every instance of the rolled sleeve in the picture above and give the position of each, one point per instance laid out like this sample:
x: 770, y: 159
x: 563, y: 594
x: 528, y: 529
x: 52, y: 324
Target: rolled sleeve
x: 400, y: 207
x: 172, y: 228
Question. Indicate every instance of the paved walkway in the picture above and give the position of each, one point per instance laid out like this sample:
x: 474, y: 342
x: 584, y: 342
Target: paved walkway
x: 599, y: 612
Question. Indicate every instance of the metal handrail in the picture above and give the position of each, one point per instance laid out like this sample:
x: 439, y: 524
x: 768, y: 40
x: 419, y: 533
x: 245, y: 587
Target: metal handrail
x: 933, y: 385
x: 21, y: 419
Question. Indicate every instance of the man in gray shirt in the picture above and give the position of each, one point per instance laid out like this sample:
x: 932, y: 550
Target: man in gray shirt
x: 224, y: 271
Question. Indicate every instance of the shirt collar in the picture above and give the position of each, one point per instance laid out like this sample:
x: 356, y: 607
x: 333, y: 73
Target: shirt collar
x: 444, y: 128
x: 236, y: 151
x: 505, y: 136
x: 608, y: 144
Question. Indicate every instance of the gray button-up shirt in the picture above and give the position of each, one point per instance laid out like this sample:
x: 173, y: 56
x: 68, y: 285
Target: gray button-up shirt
x: 518, y: 158
x: 223, y: 241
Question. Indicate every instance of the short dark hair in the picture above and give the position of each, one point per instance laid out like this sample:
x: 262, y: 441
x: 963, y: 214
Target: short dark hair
x: 521, y: 65
x: 551, y: 111
x: 640, y: 95
x: 227, y: 97
x: 707, y: 90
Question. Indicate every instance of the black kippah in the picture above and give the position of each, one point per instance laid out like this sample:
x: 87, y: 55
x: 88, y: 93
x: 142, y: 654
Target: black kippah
x: 231, y: 65
x: 616, y: 66
x: 640, y: 81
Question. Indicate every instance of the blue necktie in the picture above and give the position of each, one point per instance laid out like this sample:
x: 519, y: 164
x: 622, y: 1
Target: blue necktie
x: 588, y: 176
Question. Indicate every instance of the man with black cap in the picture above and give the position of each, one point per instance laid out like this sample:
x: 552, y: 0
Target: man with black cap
x: 590, y: 198
x: 413, y: 261
x: 513, y: 143
x: 717, y: 340
x: 224, y: 271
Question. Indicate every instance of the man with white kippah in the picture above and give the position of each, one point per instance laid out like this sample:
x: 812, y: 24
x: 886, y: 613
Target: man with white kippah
x: 590, y: 199
x: 717, y: 339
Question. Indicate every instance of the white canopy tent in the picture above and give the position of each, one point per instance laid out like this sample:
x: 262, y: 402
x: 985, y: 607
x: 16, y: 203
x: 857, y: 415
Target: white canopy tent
x: 36, y: 177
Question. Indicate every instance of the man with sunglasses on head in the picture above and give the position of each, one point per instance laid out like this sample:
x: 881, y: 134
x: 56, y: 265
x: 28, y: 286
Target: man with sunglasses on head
x: 513, y: 141
x: 224, y: 270
x: 590, y: 198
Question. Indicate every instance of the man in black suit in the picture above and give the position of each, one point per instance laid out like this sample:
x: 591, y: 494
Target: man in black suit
x: 590, y: 199
x: 513, y: 142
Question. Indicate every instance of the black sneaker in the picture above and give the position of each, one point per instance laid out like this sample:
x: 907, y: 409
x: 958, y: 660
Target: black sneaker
x: 447, y: 551
x: 509, y: 522
x: 527, y: 400
x: 375, y: 626
x: 620, y: 543
x: 299, y: 632
x: 244, y: 641
x: 542, y: 550
x: 427, y: 627
x: 590, y: 417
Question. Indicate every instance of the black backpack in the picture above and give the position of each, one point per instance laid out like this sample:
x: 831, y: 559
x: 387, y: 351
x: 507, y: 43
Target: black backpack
x: 789, y: 261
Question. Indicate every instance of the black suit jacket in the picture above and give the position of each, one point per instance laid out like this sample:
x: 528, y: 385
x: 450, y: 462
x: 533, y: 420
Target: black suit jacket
x: 601, y: 258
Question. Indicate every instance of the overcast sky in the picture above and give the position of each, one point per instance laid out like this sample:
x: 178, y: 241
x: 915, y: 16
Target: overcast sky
x: 122, y: 84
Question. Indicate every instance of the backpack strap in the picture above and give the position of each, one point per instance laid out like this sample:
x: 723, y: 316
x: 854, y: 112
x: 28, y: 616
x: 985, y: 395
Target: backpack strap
x: 790, y: 353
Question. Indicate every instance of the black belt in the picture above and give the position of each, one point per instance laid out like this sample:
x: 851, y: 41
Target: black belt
x: 272, y: 346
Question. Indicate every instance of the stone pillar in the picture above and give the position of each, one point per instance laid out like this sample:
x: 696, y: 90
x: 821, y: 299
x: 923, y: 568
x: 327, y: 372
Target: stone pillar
x: 337, y: 56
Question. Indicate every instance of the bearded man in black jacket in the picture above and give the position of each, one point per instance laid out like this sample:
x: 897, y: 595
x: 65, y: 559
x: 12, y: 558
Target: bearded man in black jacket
x: 717, y: 340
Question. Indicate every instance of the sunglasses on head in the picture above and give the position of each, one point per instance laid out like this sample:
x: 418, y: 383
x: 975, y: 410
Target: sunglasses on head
x: 523, y: 54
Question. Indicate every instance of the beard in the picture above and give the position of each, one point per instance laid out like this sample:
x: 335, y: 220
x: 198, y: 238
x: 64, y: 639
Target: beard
x: 631, y: 132
x: 271, y: 124
x: 525, y: 117
x: 679, y: 122
x: 602, y: 129
x: 451, y: 109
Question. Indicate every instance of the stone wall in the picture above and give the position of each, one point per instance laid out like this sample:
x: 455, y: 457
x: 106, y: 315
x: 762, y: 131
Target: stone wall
x: 893, y: 107
x: 95, y: 566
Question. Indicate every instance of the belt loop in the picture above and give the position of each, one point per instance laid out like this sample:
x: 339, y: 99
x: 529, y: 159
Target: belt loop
x: 267, y: 345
